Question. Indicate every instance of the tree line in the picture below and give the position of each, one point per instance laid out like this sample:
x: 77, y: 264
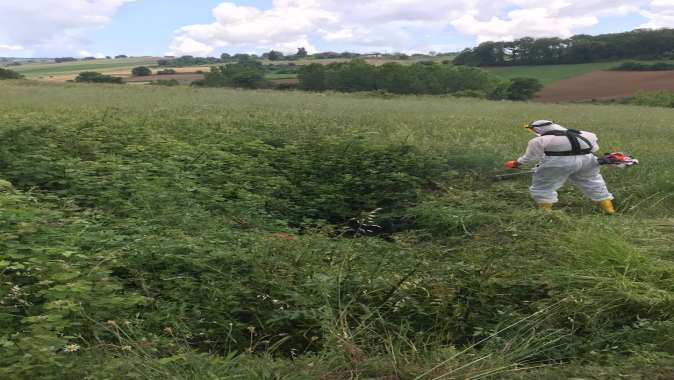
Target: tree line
x: 637, y: 44
x: 426, y: 78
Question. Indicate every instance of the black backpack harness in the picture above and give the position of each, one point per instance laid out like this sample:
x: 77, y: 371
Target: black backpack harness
x: 574, y: 138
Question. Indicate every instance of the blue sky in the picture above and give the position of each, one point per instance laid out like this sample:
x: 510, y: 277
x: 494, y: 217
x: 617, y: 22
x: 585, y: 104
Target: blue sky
x: 210, y: 27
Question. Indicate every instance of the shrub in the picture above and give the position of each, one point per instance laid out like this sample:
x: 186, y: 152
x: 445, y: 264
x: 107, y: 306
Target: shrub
x: 637, y: 66
x: 523, y: 88
x: 95, y: 77
x: 166, y: 72
x: 141, y: 71
x: 9, y: 74
x: 242, y: 75
x: 518, y: 89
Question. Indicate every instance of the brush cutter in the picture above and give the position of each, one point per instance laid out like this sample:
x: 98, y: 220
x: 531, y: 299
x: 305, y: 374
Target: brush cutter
x: 615, y: 160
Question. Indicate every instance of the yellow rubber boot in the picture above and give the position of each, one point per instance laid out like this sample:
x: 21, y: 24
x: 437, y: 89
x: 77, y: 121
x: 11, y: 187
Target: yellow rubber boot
x: 545, y: 206
x: 607, y: 206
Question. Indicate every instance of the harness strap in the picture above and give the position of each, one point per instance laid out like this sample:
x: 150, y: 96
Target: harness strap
x: 574, y: 139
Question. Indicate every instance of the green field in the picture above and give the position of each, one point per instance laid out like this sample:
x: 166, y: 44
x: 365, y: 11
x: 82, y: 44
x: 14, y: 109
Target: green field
x: 550, y: 73
x: 47, y: 69
x: 185, y: 233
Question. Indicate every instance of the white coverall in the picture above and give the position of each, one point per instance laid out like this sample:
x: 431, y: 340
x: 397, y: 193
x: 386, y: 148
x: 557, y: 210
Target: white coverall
x: 553, y: 171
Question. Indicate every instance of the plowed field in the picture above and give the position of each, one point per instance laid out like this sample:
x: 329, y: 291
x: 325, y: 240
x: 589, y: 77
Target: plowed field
x: 606, y: 85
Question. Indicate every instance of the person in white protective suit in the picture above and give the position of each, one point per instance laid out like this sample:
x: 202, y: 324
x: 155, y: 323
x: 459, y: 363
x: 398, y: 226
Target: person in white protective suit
x: 563, y: 154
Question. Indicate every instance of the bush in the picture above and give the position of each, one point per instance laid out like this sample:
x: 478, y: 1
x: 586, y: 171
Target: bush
x: 242, y: 75
x: 518, y: 89
x: 9, y: 74
x: 141, y: 71
x: 637, y: 66
x: 166, y: 72
x: 95, y: 77
x: 523, y: 88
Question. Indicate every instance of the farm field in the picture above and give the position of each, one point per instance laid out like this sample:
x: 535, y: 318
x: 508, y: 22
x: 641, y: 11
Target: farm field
x: 71, y: 69
x: 63, y: 72
x: 603, y: 85
x: 213, y: 234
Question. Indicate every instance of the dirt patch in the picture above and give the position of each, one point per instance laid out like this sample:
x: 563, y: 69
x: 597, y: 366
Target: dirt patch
x: 606, y: 85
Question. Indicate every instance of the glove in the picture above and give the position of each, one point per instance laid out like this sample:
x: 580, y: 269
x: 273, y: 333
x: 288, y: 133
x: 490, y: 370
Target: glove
x: 513, y: 164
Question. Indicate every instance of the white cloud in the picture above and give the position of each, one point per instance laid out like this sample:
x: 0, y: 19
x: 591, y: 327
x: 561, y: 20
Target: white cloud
x: 86, y: 53
x: 11, y: 47
x: 660, y: 14
x: 535, y: 22
x: 404, y: 25
x: 53, y: 26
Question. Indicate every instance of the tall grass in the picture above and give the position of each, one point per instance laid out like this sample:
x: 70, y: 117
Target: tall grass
x: 199, y: 217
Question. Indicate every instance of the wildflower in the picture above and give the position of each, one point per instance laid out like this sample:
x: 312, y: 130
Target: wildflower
x: 71, y: 348
x: 126, y: 348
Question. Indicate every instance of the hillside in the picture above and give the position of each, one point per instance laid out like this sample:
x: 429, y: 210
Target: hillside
x: 174, y: 233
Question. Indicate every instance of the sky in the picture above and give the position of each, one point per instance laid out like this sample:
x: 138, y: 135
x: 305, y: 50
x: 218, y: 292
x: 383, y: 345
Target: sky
x: 78, y: 28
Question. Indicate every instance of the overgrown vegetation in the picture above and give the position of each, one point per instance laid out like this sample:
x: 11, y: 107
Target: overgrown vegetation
x: 637, y: 44
x: 9, y: 74
x: 639, y: 66
x: 653, y: 99
x: 96, y: 77
x: 222, y: 234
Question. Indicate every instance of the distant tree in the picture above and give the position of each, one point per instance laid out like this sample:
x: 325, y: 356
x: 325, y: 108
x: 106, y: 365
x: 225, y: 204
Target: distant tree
x: 302, y: 52
x: 241, y: 58
x: 141, y: 71
x: 121, y: 56
x: 9, y: 74
x: 89, y: 58
x: 65, y: 59
x: 95, y: 77
x: 274, y: 55
x: 225, y: 57
x: 637, y: 44
x: 243, y: 75
x: 108, y: 57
